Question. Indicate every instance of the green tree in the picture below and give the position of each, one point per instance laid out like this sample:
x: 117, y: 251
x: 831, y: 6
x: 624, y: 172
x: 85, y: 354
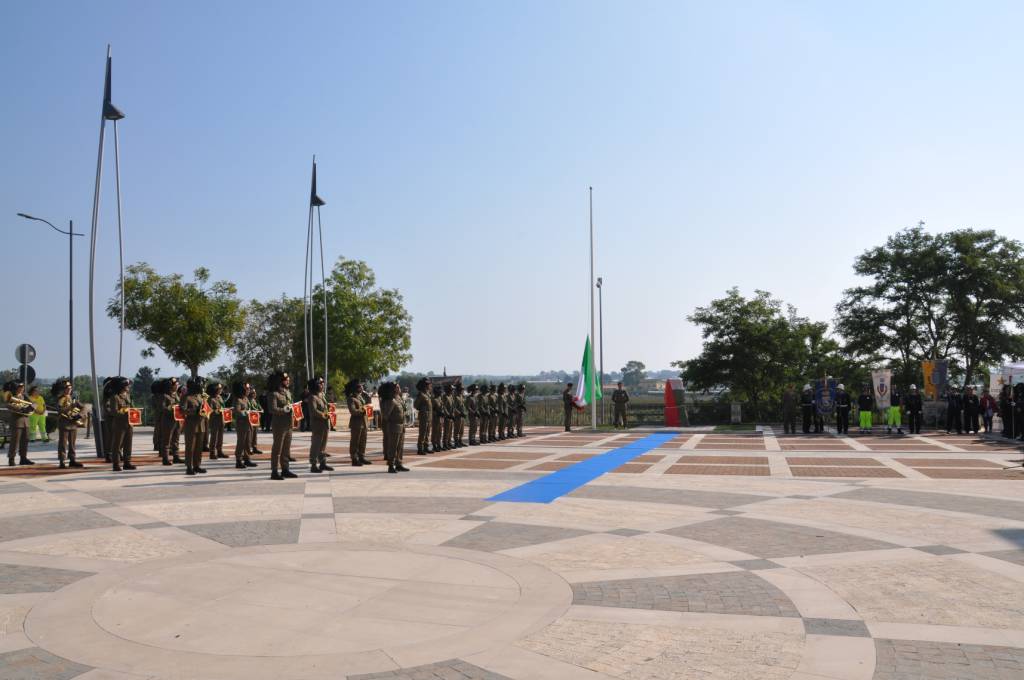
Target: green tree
x: 141, y: 384
x: 899, y: 315
x: 750, y: 348
x: 954, y: 296
x: 270, y: 340
x: 633, y: 373
x: 190, y: 321
x: 983, y: 282
x: 369, y: 326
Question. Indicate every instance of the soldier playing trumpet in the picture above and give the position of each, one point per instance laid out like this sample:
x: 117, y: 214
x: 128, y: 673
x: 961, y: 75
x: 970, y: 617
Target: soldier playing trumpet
x: 69, y: 419
x: 20, y: 410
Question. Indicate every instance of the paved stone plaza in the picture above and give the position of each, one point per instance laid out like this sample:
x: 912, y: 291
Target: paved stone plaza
x: 713, y: 556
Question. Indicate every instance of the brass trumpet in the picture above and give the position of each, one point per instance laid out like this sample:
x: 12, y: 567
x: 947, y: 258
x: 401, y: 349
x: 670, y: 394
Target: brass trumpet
x: 22, y: 406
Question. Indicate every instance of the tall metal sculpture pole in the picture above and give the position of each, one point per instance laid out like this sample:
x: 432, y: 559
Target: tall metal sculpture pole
x: 307, y: 297
x: 112, y: 113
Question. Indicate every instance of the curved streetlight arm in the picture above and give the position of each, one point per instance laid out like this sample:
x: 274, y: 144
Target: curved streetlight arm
x: 40, y: 219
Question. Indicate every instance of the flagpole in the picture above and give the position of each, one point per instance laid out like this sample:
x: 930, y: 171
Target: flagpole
x: 593, y: 400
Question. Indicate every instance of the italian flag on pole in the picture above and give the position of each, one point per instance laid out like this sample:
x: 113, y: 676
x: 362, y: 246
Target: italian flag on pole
x: 588, y: 389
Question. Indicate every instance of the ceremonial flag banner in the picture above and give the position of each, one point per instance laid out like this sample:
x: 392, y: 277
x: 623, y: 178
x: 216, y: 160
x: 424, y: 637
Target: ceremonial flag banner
x: 205, y: 409
x: 297, y: 410
x: 135, y: 416
x: 825, y: 395
x: 227, y: 415
x: 882, y: 381
x: 179, y: 414
x: 587, y: 389
x: 254, y: 418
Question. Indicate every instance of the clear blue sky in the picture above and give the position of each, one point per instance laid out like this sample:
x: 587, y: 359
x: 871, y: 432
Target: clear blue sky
x: 758, y: 144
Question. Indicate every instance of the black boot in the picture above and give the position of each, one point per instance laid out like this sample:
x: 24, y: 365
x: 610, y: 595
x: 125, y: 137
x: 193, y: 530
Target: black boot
x: 75, y: 464
x: 129, y: 466
x: 401, y: 468
x: 25, y: 461
x: 357, y: 463
x: 363, y: 461
x: 275, y: 475
x: 190, y: 472
x: 239, y: 465
x: 201, y: 470
x: 324, y: 467
x: 62, y: 465
x: 314, y: 468
x: 165, y: 460
x: 391, y: 468
x: 177, y: 459
x: 288, y: 474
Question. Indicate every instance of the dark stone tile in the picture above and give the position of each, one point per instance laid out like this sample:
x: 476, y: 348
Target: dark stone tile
x: 415, y: 505
x: 725, y: 513
x: 756, y: 565
x: 1015, y: 556
x: 495, y: 536
x: 18, y: 487
x: 478, y: 518
x: 246, y: 533
x: 975, y: 505
x: 639, y: 494
x: 164, y: 490
x: 43, y: 524
x: 939, y: 549
x: 774, y: 539
x: 452, y: 669
x: 917, y: 660
x: 840, y: 627
x: 626, y: 532
x: 38, y: 664
x: 20, y: 578
x: 318, y: 515
x: 726, y: 593
x: 151, y: 525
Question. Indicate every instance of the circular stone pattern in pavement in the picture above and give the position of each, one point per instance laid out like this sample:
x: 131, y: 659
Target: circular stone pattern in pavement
x: 297, y: 611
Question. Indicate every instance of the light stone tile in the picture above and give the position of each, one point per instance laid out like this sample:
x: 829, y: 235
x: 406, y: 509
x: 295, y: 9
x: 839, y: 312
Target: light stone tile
x: 596, y: 515
x: 25, y: 503
x: 378, y: 529
x: 437, y: 485
x: 639, y: 652
x: 123, y: 544
x: 218, y: 510
x: 811, y: 598
x: 838, y: 658
x: 907, y: 525
x: 317, y: 530
x: 609, y: 552
x: 953, y: 634
x: 935, y: 590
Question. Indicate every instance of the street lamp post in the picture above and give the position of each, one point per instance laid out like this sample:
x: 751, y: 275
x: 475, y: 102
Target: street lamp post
x: 71, y: 234
x: 600, y: 333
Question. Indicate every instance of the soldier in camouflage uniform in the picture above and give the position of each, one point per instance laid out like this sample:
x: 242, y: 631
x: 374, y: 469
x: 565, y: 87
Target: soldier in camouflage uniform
x: 502, y: 405
x: 435, y: 419
x: 520, y: 409
x: 459, y: 429
x: 448, y: 414
x: 492, y: 408
x: 620, y: 398
x: 423, y: 411
x: 473, y: 414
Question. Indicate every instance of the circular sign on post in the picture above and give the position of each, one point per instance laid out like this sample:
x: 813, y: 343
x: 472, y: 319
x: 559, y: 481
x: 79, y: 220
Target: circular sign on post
x: 27, y: 374
x: 25, y: 353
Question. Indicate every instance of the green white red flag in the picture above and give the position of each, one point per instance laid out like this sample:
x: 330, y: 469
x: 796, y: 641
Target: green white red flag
x: 588, y: 389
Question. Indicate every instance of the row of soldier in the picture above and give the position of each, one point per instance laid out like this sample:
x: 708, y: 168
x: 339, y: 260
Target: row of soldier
x: 197, y: 413
x: 492, y: 413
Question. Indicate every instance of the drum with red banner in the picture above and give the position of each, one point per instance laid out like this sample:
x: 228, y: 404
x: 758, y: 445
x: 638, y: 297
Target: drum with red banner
x: 134, y: 416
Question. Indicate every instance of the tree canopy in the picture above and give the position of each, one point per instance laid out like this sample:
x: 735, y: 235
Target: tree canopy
x: 190, y: 321
x: 633, y: 373
x: 949, y: 296
x: 370, y: 329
